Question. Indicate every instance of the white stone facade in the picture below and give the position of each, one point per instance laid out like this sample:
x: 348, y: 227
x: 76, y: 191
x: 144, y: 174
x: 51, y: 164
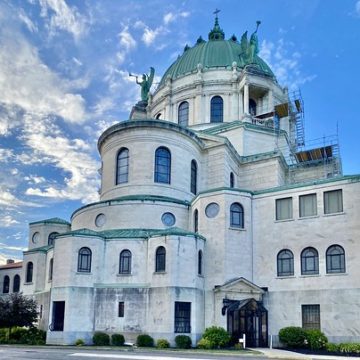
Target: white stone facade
x: 217, y: 260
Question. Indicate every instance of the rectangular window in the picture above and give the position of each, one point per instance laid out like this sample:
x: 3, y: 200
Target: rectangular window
x: 310, y: 316
x: 307, y: 205
x: 58, y: 314
x: 284, y: 209
x: 333, y: 201
x: 182, y: 317
x: 121, y: 309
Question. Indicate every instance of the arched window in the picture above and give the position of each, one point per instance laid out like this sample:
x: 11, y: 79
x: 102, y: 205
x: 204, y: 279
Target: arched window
x: 16, y: 284
x: 51, y: 267
x: 335, y: 259
x: 309, y: 261
x: 122, y: 166
x: 216, y: 109
x: 160, y: 260
x: 237, y: 215
x: 6, y: 285
x: 125, y: 262
x: 51, y: 238
x: 162, y: 165
x: 183, y: 114
x: 29, y: 272
x: 193, y: 184
x: 232, y: 180
x: 196, y: 220
x: 285, y: 263
x: 200, y: 262
x: 84, y: 260
x: 252, y: 107
x: 158, y: 116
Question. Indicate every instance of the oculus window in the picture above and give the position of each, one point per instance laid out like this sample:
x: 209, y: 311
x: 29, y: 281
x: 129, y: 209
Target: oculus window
x: 168, y: 219
x: 216, y: 109
x: 160, y: 259
x: 125, y: 262
x: 237, y: 215
x: 310, y: 317
x: 212, y: 210
x: 122, y: 166
x: 182, y: 317
x: 285, y: 263
x: 335, y: 259
x: 309, y: 261
x: 183, y: 114
x: 284, y: 209
x: 162, y: 165
x: 307, y: 205
x: 333, y: 202
x: 84, y: 260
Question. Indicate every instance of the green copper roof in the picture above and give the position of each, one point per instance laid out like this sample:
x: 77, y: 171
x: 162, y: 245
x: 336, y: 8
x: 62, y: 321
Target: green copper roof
x: 131, y: 233
x: 43, y: 249
x: 54, y: 220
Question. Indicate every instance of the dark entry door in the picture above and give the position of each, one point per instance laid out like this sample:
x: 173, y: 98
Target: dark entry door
x: 58, y: 314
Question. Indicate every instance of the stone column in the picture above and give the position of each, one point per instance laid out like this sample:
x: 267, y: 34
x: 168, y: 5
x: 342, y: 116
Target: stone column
x: 271, y: 101
x: 246, y: 99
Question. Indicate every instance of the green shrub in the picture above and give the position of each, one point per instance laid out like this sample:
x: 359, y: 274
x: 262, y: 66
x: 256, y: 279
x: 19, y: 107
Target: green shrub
x: 218, y: 337
x: 101, y: 339
x: 204, y: 344
x: 348, y: 348
x: 292, y: 337
x: 144, y: 340
x: 162, y: 344
x: 18, y: 335
x: 117, y: 339
x: 183, y: 342
x: 315, y: 339
x: 3, y: 336
x: 332, y: 347
x: 79, y: 342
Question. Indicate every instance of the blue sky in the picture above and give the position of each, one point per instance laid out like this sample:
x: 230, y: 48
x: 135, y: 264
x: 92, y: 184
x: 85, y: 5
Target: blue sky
x: 64, y: 78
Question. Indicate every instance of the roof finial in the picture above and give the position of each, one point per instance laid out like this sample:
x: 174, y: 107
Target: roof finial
x: 216, y: 33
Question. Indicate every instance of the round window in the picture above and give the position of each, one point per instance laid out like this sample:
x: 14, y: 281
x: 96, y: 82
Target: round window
x: 100, y: 220
x: 36, y: 237
x: 168, y: 219
x: 212, y: 210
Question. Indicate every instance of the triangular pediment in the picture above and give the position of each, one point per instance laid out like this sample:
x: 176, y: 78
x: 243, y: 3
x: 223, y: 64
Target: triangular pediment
x: 239, y: 285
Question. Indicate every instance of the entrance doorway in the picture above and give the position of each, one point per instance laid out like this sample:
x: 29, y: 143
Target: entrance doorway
x: 247, y: 317
x: 58, y: 313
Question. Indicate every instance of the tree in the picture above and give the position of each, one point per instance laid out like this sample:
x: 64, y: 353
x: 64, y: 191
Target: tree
x: 17, y: 310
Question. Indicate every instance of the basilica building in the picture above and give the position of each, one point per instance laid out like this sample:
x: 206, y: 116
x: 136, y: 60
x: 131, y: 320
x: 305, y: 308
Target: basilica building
x: 213, y: 210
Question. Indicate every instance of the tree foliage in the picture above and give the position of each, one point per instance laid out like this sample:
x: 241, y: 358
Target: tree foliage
x: 17, y: 310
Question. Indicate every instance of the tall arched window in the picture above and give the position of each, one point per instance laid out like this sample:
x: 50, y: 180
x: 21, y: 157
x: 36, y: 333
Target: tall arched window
x: 335, y: 259
x: 309, y: 261
x: 16, y: 284
x: 183, y: 114
x: 252, y: 107
x: 237, y: 215
x: 216, y: 109
x: 196, y: 220
x: 193, y: 182
x: 285, y: 263
x: 125, y: 262
x: 29, y: 272
x: 232, y: 180
x: 84, y: 260
x: 162, y: 165
x: 6, y: 284
x: 200, y: 262
x: 160, y: 259
x: 51, y: 238
x: 51, y: 267
x: 122, y: 166
x: 158, y: 116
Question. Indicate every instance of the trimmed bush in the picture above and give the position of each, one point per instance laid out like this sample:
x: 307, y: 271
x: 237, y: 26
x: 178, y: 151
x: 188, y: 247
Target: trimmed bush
x: 218, y: 337
x: 162, y: 344
x: 183, y: 342
x: 101, y: 339
x: 3, y: 336
x: 204, y: 344
x: 32, y: 336
x: 292, y: 336
x: 79, y: 342
x: 144, y: 340
x: 349, y: 348
x: 332, y: 347
x: 315, y: 339
x: 117, y: 339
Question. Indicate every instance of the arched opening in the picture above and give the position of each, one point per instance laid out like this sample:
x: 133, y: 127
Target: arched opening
x: 216, y: 109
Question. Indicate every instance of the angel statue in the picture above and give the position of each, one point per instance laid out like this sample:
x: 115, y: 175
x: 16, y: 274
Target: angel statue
x: 145, y: 83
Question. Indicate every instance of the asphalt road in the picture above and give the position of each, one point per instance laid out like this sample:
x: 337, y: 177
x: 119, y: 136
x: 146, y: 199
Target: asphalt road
x: 22, y: 353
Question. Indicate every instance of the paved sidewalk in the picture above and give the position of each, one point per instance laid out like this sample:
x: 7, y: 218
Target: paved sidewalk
x: 284, y: 354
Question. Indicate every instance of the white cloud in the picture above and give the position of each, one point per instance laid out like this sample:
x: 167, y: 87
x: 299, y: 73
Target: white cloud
x: 63, y: 17
x: 27, y: 21
x: 168, y: 18
x: 150, y: 35
x: 126, y: 39
x: 7, y: 221
x: 285, y: 64
x: 8, y: 200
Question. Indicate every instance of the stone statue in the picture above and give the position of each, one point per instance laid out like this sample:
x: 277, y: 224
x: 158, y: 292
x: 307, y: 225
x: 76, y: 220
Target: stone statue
x: 254, y: 44
x: 145, y: 84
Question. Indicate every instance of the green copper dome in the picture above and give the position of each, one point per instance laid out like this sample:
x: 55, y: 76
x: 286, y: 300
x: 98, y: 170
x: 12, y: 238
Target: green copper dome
x: 218, y: 53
